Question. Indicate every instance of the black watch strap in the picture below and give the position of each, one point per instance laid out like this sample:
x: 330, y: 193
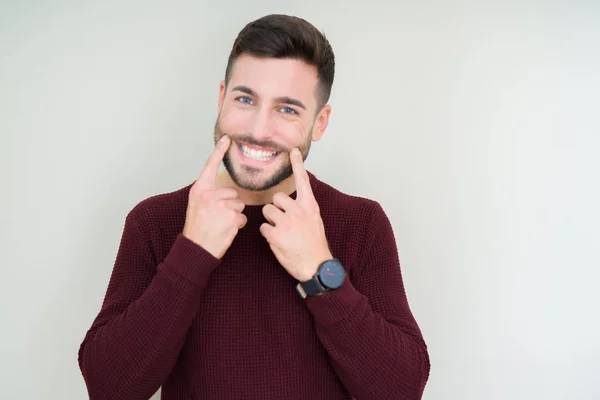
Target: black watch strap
x: 310, y: 288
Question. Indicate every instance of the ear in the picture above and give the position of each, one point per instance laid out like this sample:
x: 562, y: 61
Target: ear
x: 321, y: 123
x: 222, y: 88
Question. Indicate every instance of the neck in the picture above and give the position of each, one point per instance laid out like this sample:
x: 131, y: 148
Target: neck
x: 256, y: 198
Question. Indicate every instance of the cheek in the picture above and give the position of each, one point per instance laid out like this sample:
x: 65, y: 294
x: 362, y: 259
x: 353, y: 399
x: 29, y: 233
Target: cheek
x: 291, y: 140
x: 234, y: 121
x: 292, y: 134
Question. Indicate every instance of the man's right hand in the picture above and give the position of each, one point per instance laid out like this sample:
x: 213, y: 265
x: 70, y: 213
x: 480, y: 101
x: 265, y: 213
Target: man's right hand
x: 214, y: 216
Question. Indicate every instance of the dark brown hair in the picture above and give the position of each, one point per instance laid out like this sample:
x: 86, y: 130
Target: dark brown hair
x: 284, y: 36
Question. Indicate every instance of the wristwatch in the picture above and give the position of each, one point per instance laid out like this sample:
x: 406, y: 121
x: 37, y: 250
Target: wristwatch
x: 330, y: 275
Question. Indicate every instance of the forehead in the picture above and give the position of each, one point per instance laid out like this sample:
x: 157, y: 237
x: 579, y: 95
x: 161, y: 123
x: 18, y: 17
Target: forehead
x: 274, y: 77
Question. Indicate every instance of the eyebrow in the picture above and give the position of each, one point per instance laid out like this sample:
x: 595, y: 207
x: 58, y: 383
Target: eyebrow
x: 283, y: 99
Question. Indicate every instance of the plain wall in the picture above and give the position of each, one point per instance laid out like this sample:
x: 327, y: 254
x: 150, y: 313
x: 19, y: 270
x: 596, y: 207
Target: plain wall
x: 474, y: 123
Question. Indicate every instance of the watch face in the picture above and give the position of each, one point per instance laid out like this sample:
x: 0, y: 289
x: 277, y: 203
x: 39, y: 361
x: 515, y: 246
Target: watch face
x: 332, y: 274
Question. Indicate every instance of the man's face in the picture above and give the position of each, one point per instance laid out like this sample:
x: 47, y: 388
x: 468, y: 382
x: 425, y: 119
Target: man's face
x: 268, y: 108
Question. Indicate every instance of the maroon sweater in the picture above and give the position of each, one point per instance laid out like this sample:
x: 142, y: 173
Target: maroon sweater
x: 202, y: 328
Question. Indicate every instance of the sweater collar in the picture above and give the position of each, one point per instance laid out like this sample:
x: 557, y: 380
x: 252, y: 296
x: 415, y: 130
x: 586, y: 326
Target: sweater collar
x: 254, y: 212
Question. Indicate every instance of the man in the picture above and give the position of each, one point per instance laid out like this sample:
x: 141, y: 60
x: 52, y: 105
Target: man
x: 260, y: 282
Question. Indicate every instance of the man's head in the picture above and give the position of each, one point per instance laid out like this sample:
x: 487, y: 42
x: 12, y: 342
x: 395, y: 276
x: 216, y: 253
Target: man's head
x: 274, y: 98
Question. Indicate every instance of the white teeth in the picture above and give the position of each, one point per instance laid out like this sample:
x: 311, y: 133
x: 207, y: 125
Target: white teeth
x: 257, y: 155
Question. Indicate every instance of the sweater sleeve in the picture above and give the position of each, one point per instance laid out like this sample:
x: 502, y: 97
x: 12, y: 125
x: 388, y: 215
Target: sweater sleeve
x: 134, y: 342
x: 367, y: 327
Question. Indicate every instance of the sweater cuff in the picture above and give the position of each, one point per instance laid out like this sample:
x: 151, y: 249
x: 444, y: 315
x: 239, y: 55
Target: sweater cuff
x: 190, y: 261
x: 335, y: 305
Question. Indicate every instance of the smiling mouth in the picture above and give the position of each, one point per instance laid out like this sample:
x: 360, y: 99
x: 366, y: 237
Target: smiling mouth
x: 256, y: 154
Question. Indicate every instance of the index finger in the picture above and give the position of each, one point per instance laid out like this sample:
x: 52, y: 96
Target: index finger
x: 208, y: 176
x: 303, y: 189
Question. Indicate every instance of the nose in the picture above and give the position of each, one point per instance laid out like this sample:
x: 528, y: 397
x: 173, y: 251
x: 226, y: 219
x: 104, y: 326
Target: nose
x: 261, y: 125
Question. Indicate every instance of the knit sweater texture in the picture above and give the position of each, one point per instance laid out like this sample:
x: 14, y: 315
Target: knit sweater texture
x: 174, y: 317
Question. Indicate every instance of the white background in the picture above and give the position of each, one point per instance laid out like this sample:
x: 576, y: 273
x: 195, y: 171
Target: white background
x: 474, y: 123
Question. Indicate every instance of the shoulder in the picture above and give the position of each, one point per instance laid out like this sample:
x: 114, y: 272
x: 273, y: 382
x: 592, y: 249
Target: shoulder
x: 356, y: 227
x: 161, y: 209
x: 357, y: 209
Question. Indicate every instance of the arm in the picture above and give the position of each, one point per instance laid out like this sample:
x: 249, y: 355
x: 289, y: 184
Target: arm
x: 367, y: 328
x: 135, y: 340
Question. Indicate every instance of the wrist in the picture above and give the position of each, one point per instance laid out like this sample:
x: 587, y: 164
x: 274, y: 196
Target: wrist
x: 312, y: 267
x: 330, y: 275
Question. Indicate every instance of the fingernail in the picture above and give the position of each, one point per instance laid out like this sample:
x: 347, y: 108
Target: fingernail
x: 296, y: 152
x: 224, y: 138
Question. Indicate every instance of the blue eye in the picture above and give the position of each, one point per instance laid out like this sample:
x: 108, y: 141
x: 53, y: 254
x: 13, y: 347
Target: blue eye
x: 244, y: 100
x: 288, y: 110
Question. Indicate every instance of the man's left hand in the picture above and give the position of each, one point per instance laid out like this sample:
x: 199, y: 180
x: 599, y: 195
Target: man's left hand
x: 295, y: 230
